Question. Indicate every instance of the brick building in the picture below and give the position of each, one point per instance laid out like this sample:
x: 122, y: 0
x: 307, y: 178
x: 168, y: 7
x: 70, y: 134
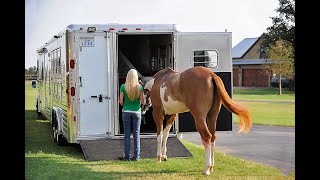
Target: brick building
x: 248, y: 69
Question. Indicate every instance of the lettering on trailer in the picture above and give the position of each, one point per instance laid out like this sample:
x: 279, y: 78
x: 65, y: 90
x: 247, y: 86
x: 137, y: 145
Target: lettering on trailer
x: 87, y: 41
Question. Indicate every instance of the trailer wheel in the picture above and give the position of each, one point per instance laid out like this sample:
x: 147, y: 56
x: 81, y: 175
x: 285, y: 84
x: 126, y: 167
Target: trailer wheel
x: 61, y: 140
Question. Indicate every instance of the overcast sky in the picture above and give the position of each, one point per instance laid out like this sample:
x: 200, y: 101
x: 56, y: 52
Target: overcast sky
x: 244, y: 18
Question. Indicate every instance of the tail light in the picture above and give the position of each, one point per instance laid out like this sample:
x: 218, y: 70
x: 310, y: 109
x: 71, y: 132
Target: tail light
x: 73, y: 92
x: 71, y: 63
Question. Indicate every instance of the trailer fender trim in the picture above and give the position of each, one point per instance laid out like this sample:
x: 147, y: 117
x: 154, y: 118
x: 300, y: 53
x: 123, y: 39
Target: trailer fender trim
x: 58, y: 115
x: 38, y: 103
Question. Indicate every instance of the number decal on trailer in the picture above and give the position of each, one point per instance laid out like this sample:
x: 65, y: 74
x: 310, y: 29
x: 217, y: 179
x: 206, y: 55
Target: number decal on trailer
x: 86, y: 41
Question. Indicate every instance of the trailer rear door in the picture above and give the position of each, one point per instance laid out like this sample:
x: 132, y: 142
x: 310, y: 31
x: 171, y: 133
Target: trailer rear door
x: 94, y: 85
x: 212, y: 50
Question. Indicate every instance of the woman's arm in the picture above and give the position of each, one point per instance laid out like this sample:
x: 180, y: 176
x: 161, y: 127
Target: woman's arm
x: 141, y: 97
x: 121, y: 99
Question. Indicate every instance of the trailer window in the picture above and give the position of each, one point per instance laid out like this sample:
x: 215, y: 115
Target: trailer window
x: 42, y: 76
x: 59, y: 60
x: 205, y: 58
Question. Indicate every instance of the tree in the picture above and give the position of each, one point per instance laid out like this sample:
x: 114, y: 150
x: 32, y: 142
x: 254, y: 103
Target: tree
x: 283, y: 25
x: 31, y: 71
x: 281, y: 55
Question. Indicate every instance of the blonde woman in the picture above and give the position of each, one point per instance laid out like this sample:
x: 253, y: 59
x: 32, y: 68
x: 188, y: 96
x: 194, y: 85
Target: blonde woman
x: 131, y: 95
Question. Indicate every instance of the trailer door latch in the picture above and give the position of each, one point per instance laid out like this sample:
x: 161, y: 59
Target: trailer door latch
x: 100, y: 97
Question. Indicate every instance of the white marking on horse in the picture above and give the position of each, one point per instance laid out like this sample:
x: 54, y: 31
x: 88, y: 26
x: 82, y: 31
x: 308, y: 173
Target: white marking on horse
x: 208, y: 160
x: 149, y: 84
x: 165, y: 138
x: 212, y: 152
x: 159, y: 139
x: 171, y: 106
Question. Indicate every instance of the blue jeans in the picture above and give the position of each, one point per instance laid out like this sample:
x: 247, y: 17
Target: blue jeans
x: 131, y: 121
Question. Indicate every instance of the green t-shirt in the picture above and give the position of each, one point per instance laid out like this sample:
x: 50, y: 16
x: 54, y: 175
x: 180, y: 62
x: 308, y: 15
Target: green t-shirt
x: 129, y: 105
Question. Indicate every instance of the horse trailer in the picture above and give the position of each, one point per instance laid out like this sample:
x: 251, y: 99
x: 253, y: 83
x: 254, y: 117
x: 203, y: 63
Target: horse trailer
x: 81, y: 68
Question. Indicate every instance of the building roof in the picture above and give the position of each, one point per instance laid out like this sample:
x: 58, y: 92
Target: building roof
x: 242, y: 47
x: 250, y: 61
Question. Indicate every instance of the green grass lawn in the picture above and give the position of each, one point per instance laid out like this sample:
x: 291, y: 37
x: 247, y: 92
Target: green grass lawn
x: 267, y: 94
x: 45, y: 160
x: 266, y: 106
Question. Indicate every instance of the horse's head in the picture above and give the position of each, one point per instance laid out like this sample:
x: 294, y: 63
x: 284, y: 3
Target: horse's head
x: 146, y: 96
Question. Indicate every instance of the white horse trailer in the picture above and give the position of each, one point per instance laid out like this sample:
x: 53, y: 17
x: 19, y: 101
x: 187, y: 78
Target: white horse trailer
x: 81, y: 68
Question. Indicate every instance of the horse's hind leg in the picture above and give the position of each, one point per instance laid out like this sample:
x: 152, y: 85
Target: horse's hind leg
x: 200, y: 122
x: 212, y: 121
x: 165, y: 136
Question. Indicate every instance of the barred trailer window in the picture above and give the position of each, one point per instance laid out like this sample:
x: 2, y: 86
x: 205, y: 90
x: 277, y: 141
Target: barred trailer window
x: 205, y: 58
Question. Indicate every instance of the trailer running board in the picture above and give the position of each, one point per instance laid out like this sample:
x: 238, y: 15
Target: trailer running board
x: 111, y: 149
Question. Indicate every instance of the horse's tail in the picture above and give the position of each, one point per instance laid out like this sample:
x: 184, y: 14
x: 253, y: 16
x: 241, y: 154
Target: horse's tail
x: 241, y: 111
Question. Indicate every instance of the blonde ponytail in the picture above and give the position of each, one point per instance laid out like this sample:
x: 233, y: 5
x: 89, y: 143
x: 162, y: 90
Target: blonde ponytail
x: 132, y: 85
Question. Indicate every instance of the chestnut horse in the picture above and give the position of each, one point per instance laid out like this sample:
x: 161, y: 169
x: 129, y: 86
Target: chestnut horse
x: 199, y: 91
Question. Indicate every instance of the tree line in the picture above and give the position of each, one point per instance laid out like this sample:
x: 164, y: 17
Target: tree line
x: 31, y: 71
x: 278, y: 43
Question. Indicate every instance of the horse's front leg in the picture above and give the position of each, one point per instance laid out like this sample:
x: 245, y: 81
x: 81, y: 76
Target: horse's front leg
x: 158, y: 118
x: 159, y: 144
x: 165, y: 136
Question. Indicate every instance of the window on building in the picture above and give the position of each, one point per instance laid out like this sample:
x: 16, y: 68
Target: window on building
x: 263, y: 53
x: 205, y: 58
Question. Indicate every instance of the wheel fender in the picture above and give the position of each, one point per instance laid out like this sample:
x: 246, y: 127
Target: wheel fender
x: 58, y: 114
x: 38, y: 103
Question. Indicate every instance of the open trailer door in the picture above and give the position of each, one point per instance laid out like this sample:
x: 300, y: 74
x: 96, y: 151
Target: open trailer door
x: 211, y: 50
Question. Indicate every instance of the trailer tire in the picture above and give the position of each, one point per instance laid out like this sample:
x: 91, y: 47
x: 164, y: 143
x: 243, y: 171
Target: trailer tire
x: 61, y: 140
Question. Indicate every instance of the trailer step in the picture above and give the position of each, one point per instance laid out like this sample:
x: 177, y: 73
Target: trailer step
x: 111, y: 149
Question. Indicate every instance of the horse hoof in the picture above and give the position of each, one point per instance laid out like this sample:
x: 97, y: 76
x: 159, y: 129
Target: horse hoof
x: 164, y: 158
x: 158, y: 159
x: 207, y: 172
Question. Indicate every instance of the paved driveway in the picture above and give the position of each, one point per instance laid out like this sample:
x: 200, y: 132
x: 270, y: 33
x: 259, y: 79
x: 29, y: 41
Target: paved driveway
x: 269, y: 145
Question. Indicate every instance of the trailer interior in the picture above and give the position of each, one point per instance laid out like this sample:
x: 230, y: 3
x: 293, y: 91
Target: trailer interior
x: 148, y: 53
